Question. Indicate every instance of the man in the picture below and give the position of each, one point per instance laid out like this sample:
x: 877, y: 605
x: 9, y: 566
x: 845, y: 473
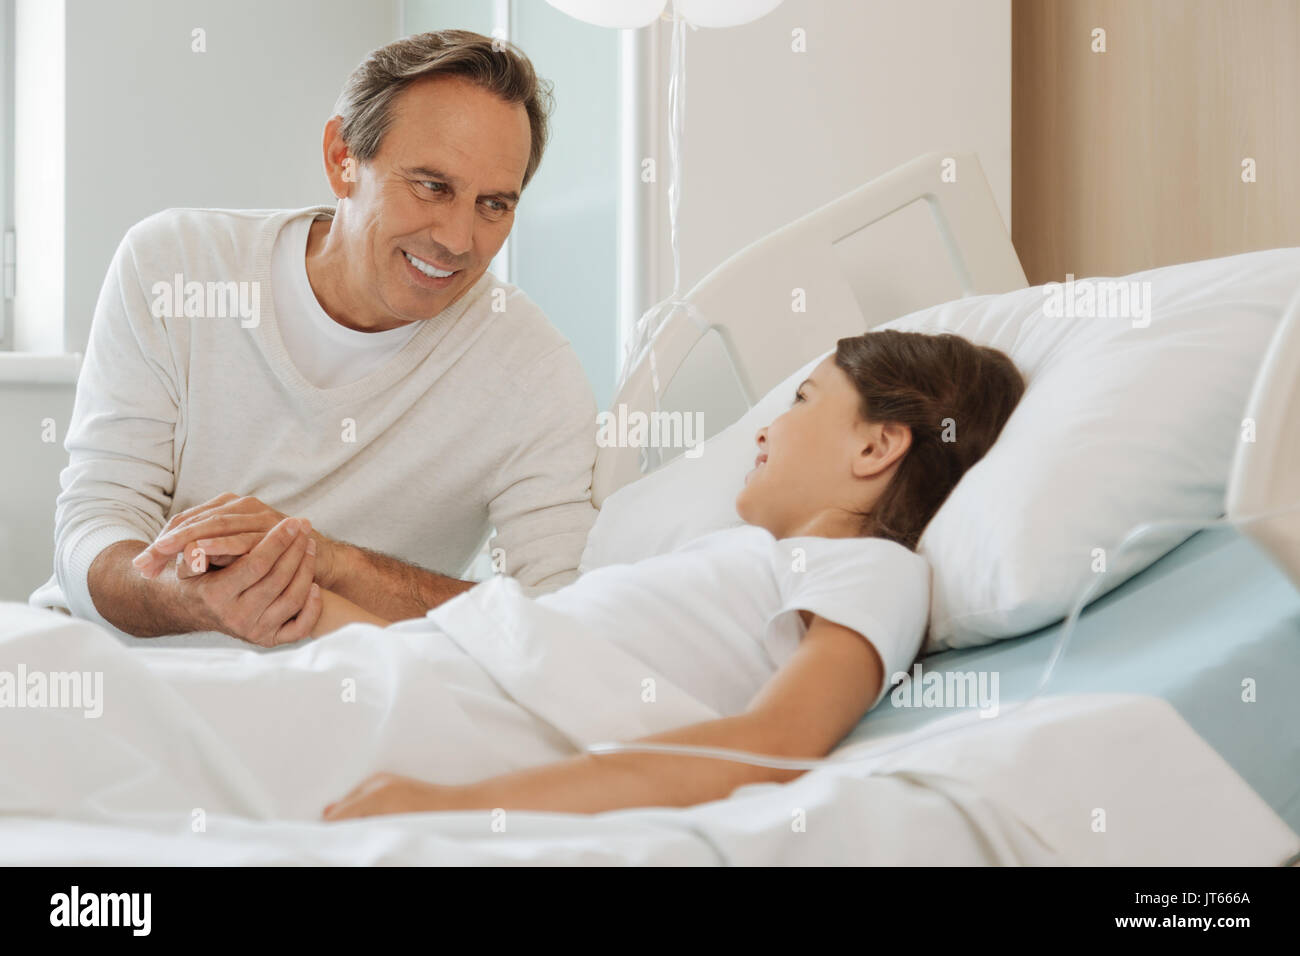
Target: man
x: 355, y: 367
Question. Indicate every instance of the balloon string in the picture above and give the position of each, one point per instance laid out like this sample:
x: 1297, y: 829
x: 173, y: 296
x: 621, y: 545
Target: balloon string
x: 640, y: 346
x: 640, y: 342
x: 676, y: 119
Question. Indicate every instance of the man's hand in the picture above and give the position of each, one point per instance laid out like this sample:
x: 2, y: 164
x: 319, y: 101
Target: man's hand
x: 214, y: 533
x: 266, y: 597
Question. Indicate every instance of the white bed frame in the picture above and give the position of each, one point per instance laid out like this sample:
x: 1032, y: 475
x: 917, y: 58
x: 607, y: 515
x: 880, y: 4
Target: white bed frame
x: 1265, y: 476
x: 746, y: 300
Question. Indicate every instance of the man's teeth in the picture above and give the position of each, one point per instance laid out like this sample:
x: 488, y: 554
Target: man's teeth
x: 428, y: 269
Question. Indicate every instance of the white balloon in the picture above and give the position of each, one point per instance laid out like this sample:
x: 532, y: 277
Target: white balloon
x: 639, y: 13
x: 724, y: 13
x: 612, y: 13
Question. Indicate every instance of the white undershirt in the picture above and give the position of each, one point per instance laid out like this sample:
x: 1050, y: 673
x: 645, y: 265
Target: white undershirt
x: 327, y: 354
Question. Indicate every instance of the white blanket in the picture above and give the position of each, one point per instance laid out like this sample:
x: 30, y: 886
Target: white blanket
x: 503, y: 684
x: 216, y: 756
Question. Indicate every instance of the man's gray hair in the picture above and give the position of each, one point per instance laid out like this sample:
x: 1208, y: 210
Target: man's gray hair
x: 494, y: 65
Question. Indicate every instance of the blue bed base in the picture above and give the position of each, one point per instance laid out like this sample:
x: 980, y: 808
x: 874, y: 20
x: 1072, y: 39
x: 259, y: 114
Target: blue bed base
x: 1192, y: 628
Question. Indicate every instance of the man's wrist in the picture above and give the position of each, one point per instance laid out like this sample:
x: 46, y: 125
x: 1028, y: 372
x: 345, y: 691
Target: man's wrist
x: 139, y: 606
x: 180, y: 604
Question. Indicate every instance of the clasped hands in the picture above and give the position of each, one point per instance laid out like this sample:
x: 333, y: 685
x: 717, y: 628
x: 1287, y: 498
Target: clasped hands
x: 247, y: 570
x: 253, y: 573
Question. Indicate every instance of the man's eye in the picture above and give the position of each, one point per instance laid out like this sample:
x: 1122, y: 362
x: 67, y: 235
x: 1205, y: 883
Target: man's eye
x: 434, y: 187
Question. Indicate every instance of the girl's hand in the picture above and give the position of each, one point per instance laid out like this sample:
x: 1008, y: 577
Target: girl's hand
x: 337, y: 611
x: 390, y: 793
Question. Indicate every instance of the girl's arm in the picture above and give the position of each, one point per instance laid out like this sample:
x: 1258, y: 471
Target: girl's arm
x: 337, y: 610
x: 804, y: 711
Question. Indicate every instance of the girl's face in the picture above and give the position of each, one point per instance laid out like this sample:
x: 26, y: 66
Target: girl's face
x: 820, y: 466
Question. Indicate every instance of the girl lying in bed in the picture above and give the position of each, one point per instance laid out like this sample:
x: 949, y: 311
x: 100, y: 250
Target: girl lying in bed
x: 790, y: 623
x: 797, y: 616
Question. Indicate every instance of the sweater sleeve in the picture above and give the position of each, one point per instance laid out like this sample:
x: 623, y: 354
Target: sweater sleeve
x: 540, y: 504
x: 119, y: 480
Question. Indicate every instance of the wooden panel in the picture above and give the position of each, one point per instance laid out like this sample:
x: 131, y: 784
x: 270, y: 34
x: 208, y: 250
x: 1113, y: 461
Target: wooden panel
x: 1132, y: 158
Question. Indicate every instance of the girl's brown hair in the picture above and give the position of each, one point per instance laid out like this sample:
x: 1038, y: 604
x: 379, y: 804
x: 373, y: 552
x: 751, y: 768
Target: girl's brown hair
x: 955, y: 397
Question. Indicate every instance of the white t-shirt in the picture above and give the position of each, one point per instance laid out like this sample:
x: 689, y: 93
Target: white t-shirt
x: 719, y: 615
x: 327, y: 354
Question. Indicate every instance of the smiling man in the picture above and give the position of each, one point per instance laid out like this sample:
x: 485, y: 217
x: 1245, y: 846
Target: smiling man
x: 389, y: 394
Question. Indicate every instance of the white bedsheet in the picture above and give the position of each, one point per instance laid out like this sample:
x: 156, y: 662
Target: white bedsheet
x: 260, y: 742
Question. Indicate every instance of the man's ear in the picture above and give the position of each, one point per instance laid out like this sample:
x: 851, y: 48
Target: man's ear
x: 341, y: 168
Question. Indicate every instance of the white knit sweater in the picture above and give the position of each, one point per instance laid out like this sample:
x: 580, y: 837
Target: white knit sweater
x: 484, y: 419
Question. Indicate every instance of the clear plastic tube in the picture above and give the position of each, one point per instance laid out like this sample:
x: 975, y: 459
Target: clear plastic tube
x: 1058, y: 650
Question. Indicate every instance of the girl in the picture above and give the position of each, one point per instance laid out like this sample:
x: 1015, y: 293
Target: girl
x: 790, y: 622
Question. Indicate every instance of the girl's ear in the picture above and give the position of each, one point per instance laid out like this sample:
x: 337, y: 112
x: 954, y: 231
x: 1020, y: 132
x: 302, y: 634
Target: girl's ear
x: 881, y: 444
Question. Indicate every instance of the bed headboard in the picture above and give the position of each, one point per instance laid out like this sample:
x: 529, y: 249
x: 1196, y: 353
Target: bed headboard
x: 749, y: 302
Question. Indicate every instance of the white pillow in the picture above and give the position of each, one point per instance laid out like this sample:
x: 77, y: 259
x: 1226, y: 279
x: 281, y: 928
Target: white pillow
x: 1125, y: 420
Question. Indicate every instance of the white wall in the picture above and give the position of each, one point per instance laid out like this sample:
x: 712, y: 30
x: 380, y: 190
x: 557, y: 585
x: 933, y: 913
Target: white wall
x: 31, y: 482
x: 771, y: 134
x: 151, y: 124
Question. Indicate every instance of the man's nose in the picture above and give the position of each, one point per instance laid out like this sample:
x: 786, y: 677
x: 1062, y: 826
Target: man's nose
x: 454, y: 230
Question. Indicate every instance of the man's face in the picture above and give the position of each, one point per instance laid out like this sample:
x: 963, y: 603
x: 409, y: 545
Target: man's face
x: 442, y: 189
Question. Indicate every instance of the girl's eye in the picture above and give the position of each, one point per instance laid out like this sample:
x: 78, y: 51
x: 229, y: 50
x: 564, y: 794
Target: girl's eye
x: 798, y: 397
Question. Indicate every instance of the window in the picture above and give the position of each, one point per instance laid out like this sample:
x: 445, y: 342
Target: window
x: 7, y: 264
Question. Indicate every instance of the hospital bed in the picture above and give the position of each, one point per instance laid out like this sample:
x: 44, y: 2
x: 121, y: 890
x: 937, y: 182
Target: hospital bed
x: 1188, y: 631
x: 1139, y: 750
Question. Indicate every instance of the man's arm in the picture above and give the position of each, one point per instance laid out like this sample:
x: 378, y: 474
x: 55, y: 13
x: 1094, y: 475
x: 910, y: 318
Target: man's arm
x: 386, y: 587
x: 540, y: 499
x: 804, y: 710
x: 118, y: 484
x: 134, y: 605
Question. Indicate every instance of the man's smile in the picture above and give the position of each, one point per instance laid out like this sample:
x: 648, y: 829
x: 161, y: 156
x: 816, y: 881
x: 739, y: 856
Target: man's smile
x: 428, y: 274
